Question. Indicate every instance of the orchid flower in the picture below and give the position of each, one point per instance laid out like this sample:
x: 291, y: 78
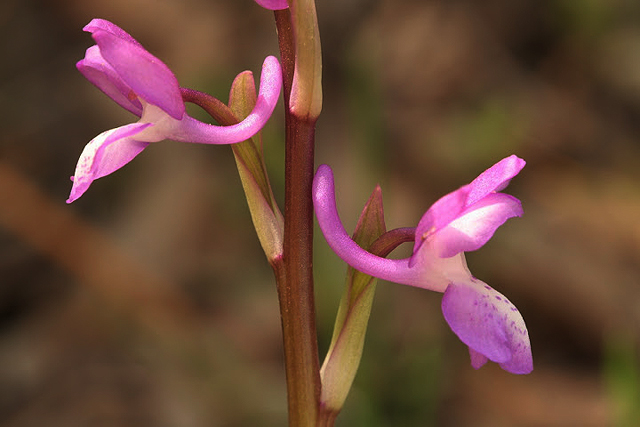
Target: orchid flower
x: 139, y: 82
x: 464, y: 220
x: 273, y: 4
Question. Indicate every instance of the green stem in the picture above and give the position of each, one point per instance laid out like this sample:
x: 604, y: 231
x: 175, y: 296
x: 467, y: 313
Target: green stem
x: 295, y: 277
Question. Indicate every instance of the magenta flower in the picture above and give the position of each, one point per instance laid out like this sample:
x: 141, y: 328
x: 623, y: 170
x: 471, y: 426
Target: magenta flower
x: 464, y: 220
x: 120, y: 67
x: 273, y: 4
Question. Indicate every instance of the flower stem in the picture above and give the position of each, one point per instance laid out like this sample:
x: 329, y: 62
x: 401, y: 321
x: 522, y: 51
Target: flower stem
x: 295, y: 275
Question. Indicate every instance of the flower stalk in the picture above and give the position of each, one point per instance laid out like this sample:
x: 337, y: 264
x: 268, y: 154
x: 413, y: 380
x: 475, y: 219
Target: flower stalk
x: 295, y: 279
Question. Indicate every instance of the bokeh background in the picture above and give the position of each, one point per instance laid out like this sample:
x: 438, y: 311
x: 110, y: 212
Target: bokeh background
x: 148, y: 302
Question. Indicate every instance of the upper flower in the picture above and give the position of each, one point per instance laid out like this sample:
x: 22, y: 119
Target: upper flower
x: 138, y: 81
x: 463, y: 220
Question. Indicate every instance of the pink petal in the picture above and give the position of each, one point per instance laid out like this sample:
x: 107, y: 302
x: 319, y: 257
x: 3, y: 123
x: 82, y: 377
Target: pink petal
x: 442, y: 212
x: 495, y: 178
x: 489, y: 324
x: 478, y: 360
x: 147, y: 76
x: 461, y: 202
x: 273, y: 4
x: 105, y: 154
x: 104, y: 25
x: 475, y: 226
x: 101, y: 74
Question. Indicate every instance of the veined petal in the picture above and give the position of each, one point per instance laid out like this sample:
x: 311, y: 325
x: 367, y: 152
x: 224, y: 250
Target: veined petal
x: 147, y: 76
x: 105, y: 154
x: 324, y: 202
x: 192, y: 130
x: 99, y: 72
x: 489, y: 324
x: 475, y: 226
x: 273, y: 4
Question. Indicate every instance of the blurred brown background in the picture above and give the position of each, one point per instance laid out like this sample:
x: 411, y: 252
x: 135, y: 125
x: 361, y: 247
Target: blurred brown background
x: 148, y: 302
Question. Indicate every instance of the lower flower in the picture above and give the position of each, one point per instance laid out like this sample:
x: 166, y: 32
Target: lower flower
x: 464, y: 220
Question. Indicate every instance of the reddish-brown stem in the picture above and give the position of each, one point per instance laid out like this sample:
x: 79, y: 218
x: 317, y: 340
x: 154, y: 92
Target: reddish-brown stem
x: 390, y: 240
x: 295, y: 278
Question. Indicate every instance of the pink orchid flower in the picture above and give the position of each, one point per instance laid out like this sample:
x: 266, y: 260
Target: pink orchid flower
x: 273, y: 4
x: 487, y: 322
x: 120, y: 67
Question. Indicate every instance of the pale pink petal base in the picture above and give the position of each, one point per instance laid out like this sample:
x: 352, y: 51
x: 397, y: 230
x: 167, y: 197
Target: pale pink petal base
x: 489, y: 324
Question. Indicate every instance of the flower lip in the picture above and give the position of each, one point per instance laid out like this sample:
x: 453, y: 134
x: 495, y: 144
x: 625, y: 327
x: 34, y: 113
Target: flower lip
x: 489, y: 324
x: 106, y: 153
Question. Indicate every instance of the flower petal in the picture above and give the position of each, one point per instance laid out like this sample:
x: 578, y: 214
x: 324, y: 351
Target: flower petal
x: 146, y: 75
x: 478, y: 360
x: 489, y: 324
x: 104, y: 77
x: 474, y: 227
x: 273, y: 4
x: 451, y: 207
x: 104, y: 25
x: 105, y: 154
x: 495, y: 178
x: 441, y: 213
